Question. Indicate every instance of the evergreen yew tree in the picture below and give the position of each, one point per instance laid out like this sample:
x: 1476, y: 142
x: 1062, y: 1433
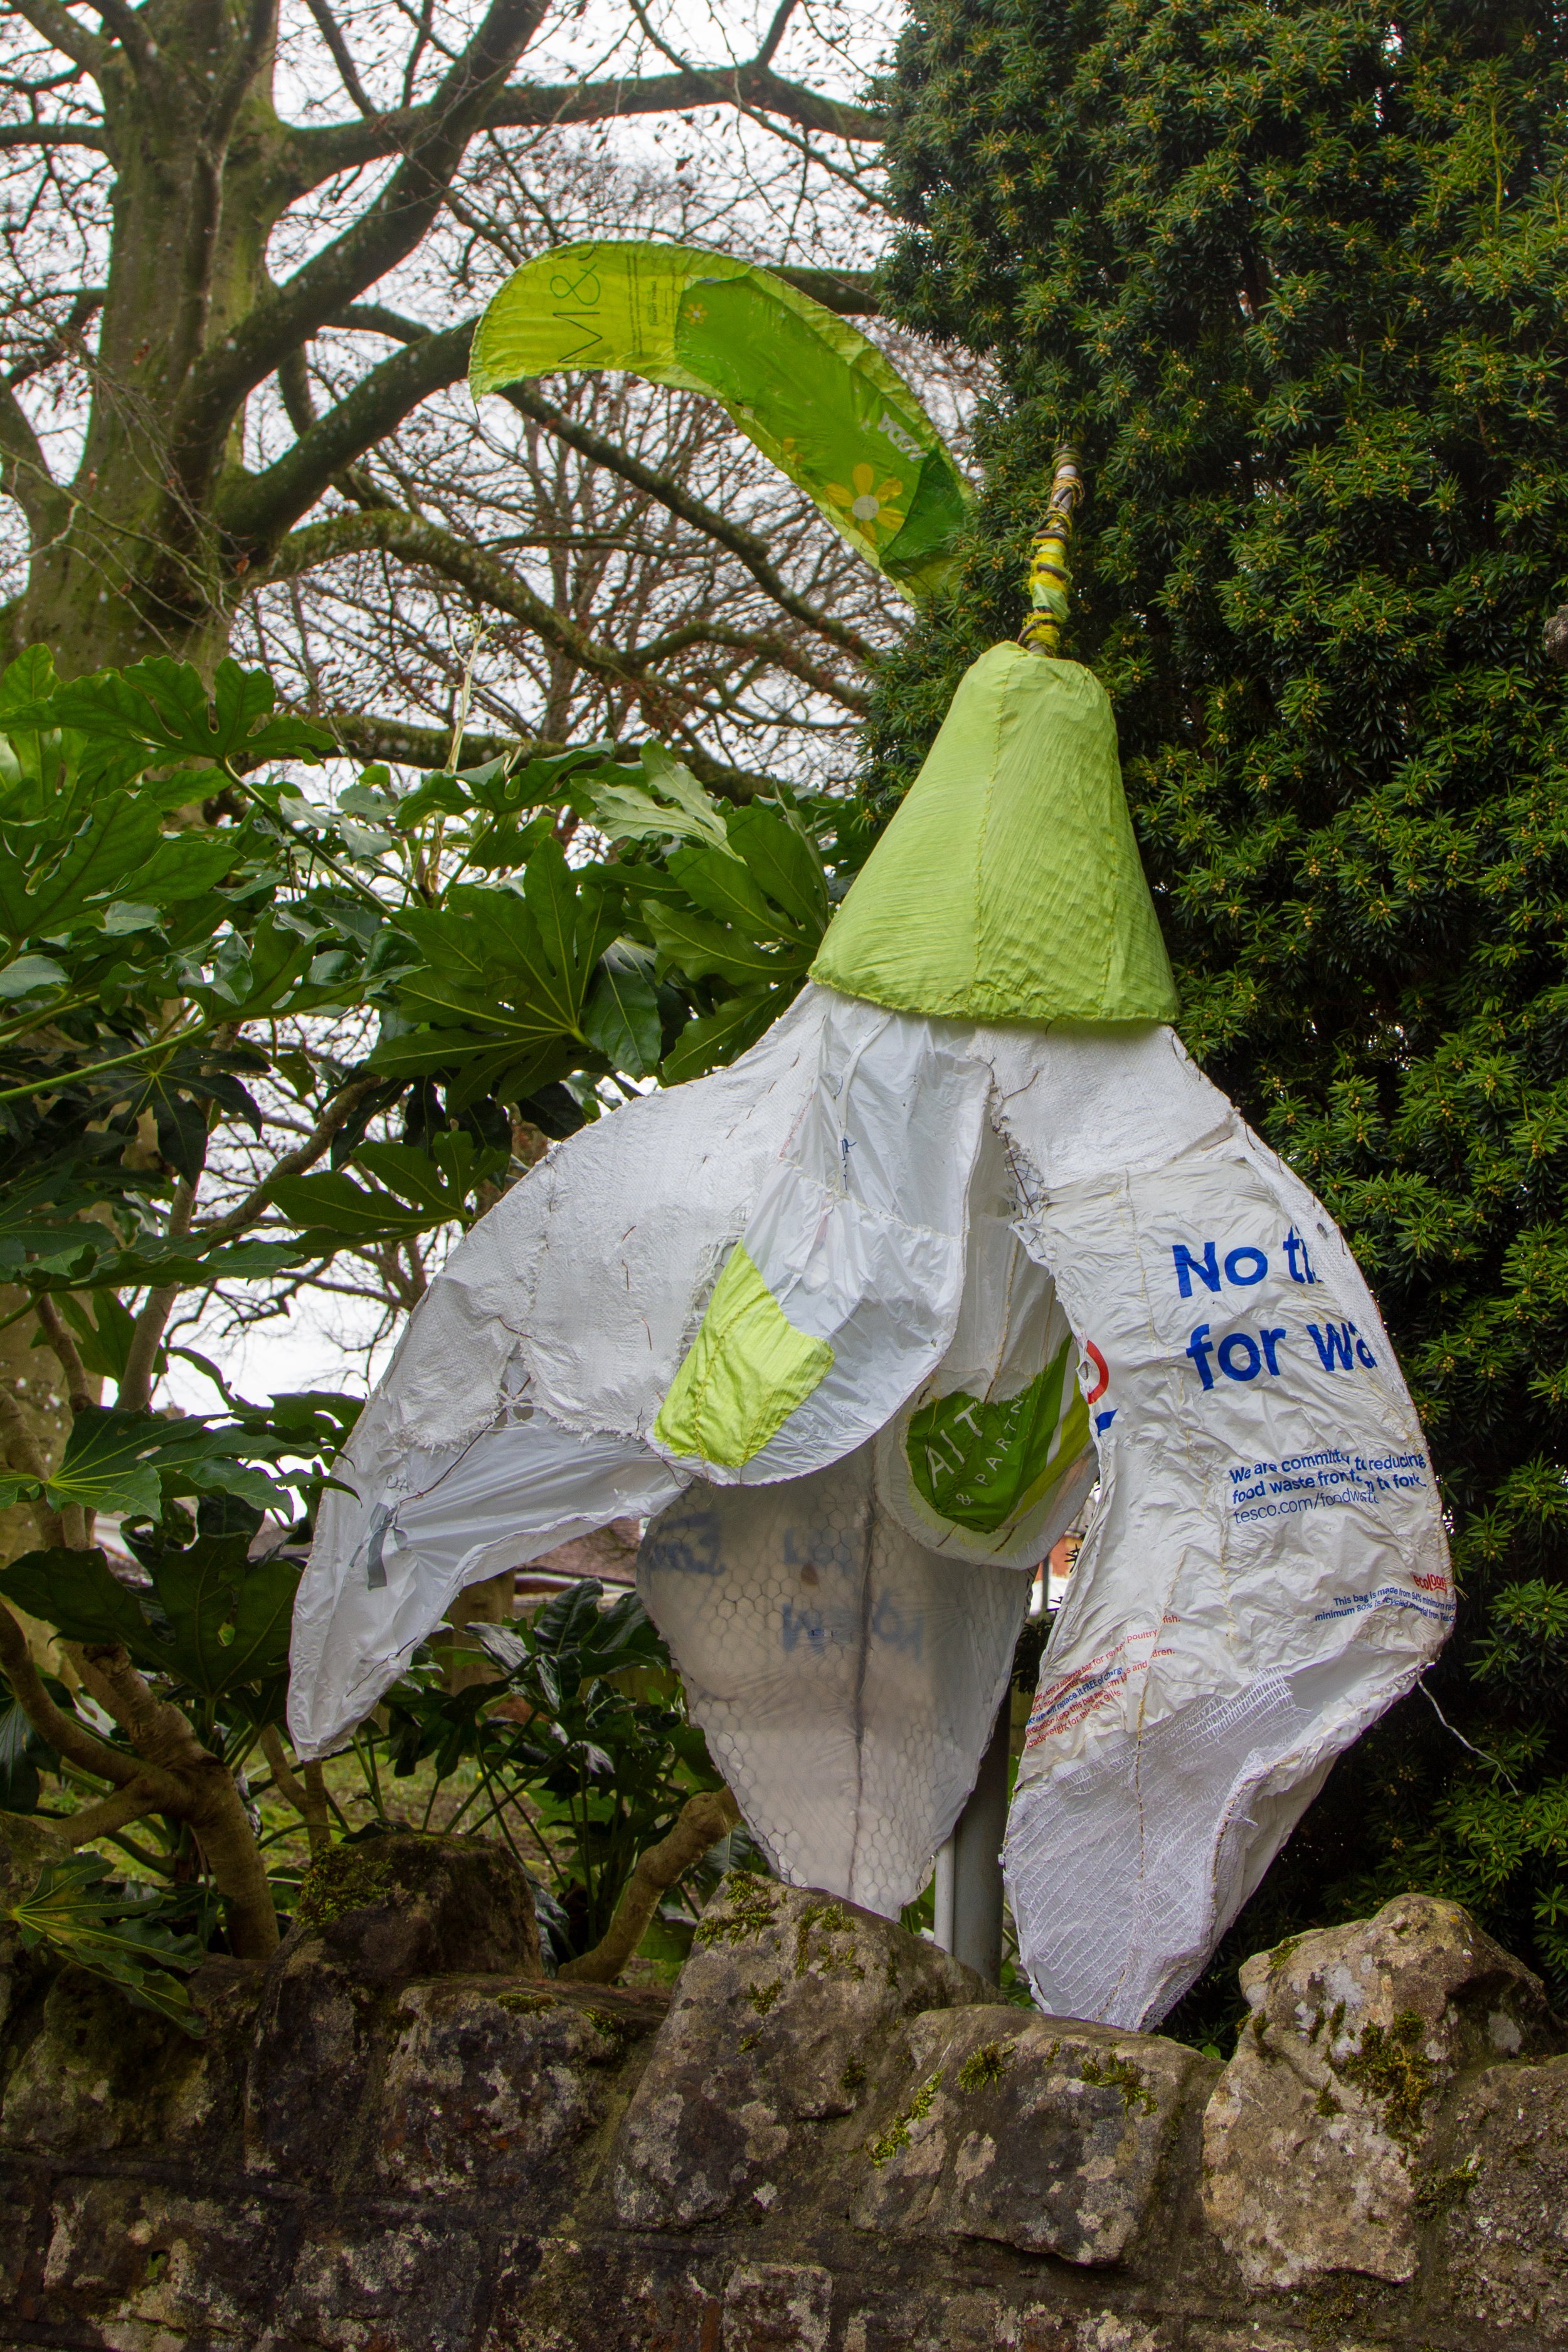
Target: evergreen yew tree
x: 1293, y: 279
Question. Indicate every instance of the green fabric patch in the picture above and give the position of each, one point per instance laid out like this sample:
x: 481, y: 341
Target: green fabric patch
x: 813, y: 393
x: 743, y: 1374
x: 1008, y: 886
x: 983, y: 1463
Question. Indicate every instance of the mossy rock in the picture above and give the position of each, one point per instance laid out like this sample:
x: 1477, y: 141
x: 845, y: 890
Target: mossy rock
x: 409, y: 1905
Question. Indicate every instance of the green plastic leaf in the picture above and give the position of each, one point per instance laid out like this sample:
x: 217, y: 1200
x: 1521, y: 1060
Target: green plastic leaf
x: 810, y: 391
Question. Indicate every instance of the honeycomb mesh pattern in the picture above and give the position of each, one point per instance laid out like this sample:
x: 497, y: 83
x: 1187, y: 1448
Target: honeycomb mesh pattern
x: 846, y: 1678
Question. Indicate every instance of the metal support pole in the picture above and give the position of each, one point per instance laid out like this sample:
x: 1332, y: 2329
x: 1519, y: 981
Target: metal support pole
x: 976, y: 1845
x: 942, y: 1897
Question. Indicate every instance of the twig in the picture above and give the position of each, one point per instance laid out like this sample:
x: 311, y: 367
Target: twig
x: 293, y: 1163
x: 77, y: 1393
x: 309, y: 1801
x: 70, y: 1739
x: 701, y: 1822
x: 151, y: 1316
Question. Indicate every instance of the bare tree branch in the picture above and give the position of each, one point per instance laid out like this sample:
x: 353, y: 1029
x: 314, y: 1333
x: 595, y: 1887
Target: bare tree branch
x: 256, y: 509
x: 373, y: 738
x: 332, y: 33
x: 127, y: 28
x: 341, y: 1108
x: 726, y: 88
x: 24, y: 475
x: 53, y: 134
x: 309, y: 1798
x: 145, y: 1794
x: 702, y: 1822
x: 55, y: 346
x: 147, y: 1331
x: 775, y: 32
x: 240, y: 68
x: 752, y: 551
x: 63, y: 1732
x: 78, y: 1394
x: 341, y: 147
x: 62, y: 32
x: 389, y: 228
x: 20, y: 1451
x: 413, y: 539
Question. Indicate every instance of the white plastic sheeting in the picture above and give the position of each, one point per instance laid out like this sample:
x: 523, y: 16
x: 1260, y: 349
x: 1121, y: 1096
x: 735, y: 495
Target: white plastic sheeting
x: 948, y: 1206
x: 842, y: 1147
x: 1266, y: 1570
x: 386, y: 1569
x: 845, y: 1678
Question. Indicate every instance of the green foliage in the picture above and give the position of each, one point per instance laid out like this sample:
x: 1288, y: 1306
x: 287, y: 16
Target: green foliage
x: 79, y: 1913
x: 185, y: 936
x: 1292, y: 282
x: 584, y: 1735
x: 211, y: 1621
x: 498, y: 966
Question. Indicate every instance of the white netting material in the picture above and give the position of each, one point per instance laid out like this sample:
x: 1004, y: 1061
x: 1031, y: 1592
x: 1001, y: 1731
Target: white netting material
x: 846, y: 1679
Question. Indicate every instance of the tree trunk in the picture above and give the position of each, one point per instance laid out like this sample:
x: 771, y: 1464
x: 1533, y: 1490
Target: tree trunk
x: 131, y: 565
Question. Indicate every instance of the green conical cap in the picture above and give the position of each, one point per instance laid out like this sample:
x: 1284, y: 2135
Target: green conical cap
x: 1007, y: 888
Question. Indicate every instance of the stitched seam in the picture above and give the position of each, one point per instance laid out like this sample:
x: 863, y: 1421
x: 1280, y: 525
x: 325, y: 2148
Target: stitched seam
x: 980, y: 841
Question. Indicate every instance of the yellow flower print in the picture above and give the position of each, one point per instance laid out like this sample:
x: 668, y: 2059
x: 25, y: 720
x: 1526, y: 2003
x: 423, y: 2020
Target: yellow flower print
x: 867, y: 502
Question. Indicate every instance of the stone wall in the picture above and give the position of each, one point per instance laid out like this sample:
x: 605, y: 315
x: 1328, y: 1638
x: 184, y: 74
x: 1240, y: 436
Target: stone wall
x: 400, y: 2137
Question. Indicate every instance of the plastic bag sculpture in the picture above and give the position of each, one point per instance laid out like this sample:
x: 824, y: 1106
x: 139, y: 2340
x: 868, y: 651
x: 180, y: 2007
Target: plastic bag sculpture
x: 856, y: 1324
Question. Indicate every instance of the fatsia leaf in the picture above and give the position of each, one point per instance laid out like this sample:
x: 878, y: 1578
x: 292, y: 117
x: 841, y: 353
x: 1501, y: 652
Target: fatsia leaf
x: 161, y: 708
x: 621, y: 1016
x: 331, y: 1203
x: 48, y: 885
x: 28, y: 973
x: 699, y: 948
x: 409, y: 1191
x: 175, y: 1264
x: 183, y: 865
x: 722, y: 885
x: 121, y: 1462
x: 104, y: 1328
x: 514, y: 966
x: 77, y: 1910
x: 77, y: 1594
x: 252, y: 974
x: 228, y: 1616
x: 784, y: 861
x: 717, y: 1037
